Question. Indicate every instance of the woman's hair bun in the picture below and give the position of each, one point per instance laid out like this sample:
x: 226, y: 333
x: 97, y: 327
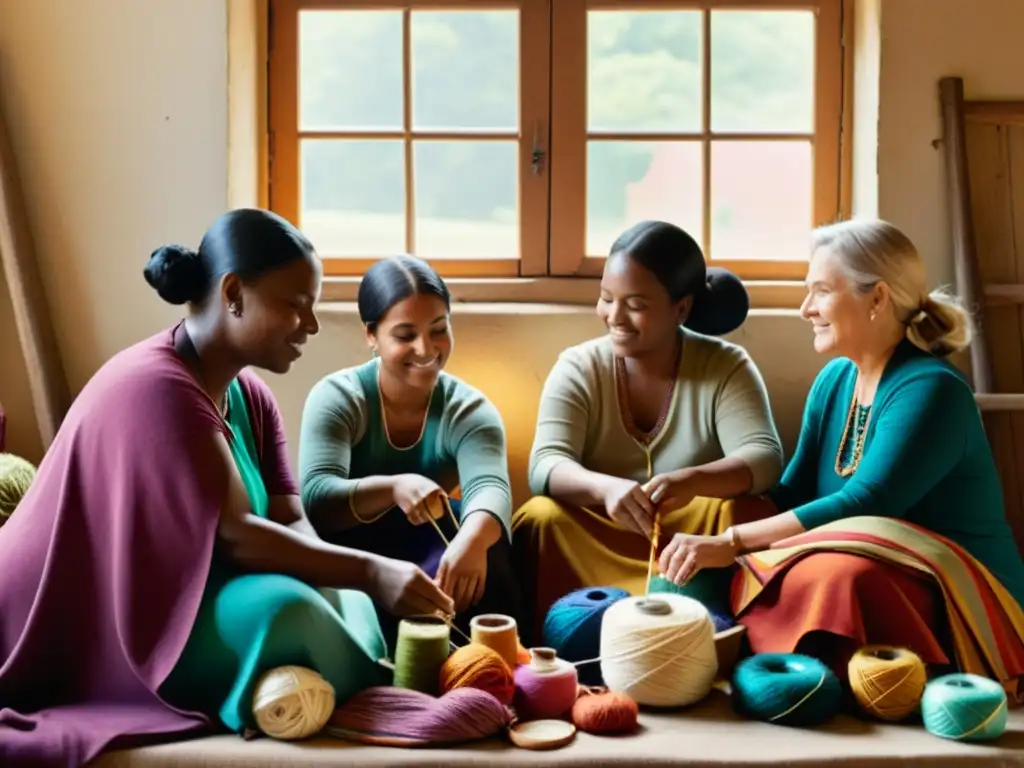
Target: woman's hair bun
x: 721, y: 307
x: 941, y: 326
x: 177, y: 274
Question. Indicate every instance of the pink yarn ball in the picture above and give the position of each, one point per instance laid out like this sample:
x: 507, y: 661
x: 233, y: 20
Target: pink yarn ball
x: 546, y: 688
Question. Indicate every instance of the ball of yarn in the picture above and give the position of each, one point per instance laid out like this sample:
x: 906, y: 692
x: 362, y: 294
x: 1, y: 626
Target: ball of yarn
x: 887, y: 682
x: 605, y: 713
x: 709, y: 586
x: 660, y: 651
x: 546, y: 688
x: 292, y: 703
x: 16, y: 475
x: 786, y: 689
x: 964, y: 707
x: 402, y: 717
x: 573, y: 627
x: 477, y: 666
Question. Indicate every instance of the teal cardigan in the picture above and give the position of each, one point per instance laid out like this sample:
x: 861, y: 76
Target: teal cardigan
x: 926, y: 459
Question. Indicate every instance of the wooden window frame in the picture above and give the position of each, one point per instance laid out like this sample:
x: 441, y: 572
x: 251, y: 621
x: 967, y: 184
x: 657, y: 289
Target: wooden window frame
x: 552, y: 112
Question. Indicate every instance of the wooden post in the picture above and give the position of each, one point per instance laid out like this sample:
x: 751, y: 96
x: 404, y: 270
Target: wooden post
x: 965, y: 257
x: 48, y: 384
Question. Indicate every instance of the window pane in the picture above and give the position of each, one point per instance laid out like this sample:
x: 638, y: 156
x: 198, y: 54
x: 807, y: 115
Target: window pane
x: 465, y: 67
x: 762, y: 71
x: 353, y: 196
x: 761, y: 197
x: 628, y: 181
x: 466, y: 204
x: 644, y: 70
x: 337, y: 50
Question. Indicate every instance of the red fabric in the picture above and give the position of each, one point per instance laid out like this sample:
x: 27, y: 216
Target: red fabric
x: 106, y: 561
x: 853, y: 601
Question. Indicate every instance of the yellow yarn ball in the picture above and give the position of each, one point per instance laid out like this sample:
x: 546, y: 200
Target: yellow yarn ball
x: 887, y: 682
x: 292, y: 703
x: 16, y: 475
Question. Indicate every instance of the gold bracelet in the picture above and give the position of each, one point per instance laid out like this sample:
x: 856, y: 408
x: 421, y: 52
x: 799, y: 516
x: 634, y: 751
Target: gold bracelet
x: 352, y: 506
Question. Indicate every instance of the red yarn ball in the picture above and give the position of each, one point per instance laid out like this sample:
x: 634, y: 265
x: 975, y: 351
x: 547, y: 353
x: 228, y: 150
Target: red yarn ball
x: 605, y: 713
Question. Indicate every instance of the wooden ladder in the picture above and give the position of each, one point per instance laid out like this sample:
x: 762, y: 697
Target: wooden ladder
x: 983, y: 143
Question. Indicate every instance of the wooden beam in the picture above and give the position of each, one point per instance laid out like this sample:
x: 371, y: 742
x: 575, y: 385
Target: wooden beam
x: 47, y: 382
x: 965, y: 257
x: 1003, y: 294
x: 990, y: 402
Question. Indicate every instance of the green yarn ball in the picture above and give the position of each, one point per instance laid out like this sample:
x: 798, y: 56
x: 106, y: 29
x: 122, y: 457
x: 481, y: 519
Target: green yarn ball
x: 786, y: 689
x: 16, y: 475
x: 710, y: 587
x: 964, y: 707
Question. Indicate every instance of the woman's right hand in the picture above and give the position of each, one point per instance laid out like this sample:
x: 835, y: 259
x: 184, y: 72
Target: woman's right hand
x: 418, y: 497
x: 628, y: 505
x: 405, y: 589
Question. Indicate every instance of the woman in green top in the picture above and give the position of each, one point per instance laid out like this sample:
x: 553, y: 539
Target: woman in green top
x: 890, y: 429
x: 384, y: 445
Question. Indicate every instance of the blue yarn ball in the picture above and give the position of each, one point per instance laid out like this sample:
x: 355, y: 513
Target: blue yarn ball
x: 964, y: 707
x: 786, y: 689
x: 573, y: 627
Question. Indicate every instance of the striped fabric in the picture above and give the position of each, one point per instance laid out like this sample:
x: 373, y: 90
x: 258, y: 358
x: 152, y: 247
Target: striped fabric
x: 987, y: 625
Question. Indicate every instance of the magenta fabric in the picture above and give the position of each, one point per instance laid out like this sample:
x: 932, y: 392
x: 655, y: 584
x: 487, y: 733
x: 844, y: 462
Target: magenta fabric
x: 105, y: 563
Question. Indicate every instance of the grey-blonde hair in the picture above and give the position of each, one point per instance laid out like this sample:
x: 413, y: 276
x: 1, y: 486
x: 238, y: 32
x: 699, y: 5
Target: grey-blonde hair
x: 871, y: 251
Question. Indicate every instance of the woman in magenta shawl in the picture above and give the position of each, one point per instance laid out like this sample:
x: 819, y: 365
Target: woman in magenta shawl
x: 161, y: 561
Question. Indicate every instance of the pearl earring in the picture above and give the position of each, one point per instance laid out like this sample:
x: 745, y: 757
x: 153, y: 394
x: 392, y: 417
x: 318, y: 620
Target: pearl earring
x: 235, y: 309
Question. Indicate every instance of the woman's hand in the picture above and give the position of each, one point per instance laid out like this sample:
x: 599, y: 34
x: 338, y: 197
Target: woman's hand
x: 418, y: 497
x: 685, y: 555
x: 405, y: 590
x: 627, y: 504
x: 670, y: 491
x: 462, y: 573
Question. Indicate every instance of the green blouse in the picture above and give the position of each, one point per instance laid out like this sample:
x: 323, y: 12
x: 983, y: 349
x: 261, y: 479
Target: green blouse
x: 925, y: 458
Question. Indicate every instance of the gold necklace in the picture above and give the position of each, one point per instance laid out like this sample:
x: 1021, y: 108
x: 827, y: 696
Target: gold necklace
x: 861, y: 436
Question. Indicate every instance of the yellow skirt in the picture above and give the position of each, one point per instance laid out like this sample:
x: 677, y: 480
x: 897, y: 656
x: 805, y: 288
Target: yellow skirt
x: 561, y: 548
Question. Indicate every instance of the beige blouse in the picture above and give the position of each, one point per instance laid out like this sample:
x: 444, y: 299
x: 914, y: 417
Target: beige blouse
x: 719, y: 408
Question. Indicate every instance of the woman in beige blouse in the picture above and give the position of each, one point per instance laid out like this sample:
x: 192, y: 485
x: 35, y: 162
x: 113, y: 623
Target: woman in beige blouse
x: 656, y: 419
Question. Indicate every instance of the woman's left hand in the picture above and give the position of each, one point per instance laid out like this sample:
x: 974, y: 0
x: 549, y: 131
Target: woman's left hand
x: 685, y: 555
x: 462, y: 574
x: 670, y: 491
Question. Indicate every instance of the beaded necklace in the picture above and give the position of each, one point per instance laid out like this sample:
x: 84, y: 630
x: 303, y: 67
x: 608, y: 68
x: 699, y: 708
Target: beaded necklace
x: 857, y: 420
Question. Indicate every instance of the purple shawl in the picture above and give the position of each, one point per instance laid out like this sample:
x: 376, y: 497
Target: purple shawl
x: 103, y: 566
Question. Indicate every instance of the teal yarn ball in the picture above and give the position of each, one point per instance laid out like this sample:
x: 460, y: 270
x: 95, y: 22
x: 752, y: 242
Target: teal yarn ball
x: 710, y: 588
x: 786, y: 689
x: 573, y: 627
x: 964, y: 707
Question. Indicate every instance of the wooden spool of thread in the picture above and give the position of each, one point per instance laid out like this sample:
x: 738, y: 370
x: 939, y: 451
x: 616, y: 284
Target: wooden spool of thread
x: 546, y: 687
x: 477, y: 666
x: 422, y: 648
x: 887, y: 683
x: 499, y: 633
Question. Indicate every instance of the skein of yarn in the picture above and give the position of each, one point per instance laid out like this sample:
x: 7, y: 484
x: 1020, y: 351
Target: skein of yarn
x: 660, y: 651
x: 964, y: 707
x: 16, y: 475
x: 499, y: 633
x: 397, y: 717
x: 573, y: 627
x: 605, y: 713
x: 887, y: 682
x: 786, y: 689
x: 477, y: 666
x: 422, y: 647
x: 292, y: 703
x: 546, y: 687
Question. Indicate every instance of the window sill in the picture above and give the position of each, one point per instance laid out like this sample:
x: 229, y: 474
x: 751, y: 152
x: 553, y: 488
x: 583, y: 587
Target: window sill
x: 553, y: 295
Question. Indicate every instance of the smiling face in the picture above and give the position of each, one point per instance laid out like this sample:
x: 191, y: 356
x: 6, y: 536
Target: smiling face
x: 414, y: 340
x: 636, y: 308
x: 843, y: 318
x: 276, y: 313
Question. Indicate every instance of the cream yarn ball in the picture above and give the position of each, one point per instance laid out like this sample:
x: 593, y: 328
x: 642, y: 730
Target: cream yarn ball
x: 292, y: 703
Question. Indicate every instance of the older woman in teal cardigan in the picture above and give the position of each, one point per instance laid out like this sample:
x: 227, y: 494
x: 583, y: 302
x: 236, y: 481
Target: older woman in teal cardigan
x: 889, y: 517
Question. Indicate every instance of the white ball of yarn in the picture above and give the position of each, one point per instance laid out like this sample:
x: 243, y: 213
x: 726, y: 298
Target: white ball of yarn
x: 661, y: 658
x: 292, y: 703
